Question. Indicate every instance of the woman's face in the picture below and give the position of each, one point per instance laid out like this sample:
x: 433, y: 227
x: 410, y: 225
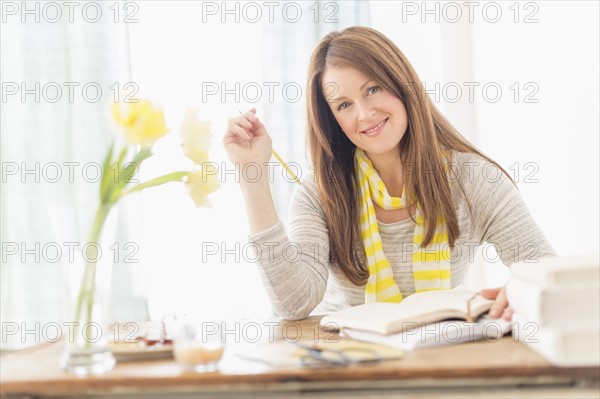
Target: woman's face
x: 371, y: 117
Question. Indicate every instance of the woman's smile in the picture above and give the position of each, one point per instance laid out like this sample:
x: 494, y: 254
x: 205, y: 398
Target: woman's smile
x: 374, y: 130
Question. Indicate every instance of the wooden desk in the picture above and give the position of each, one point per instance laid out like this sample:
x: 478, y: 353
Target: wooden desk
x: 479, y: 369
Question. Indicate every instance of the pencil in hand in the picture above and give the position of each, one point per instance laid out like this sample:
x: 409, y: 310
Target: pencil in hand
x: 282, y: 162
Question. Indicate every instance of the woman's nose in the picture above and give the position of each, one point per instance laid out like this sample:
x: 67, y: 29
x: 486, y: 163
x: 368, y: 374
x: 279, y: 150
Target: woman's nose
x: 365, y: 112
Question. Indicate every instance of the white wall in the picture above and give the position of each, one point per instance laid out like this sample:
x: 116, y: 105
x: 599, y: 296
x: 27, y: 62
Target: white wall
x: 558, y: 134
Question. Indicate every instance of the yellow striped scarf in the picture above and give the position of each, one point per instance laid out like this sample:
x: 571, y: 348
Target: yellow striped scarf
x: 431, y: 265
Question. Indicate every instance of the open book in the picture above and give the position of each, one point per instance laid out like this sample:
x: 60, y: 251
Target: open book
x: 414, y: 311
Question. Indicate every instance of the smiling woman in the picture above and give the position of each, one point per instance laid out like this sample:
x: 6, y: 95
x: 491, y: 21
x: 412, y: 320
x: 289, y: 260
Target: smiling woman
x: 377, y: 142
x: 363, y: 114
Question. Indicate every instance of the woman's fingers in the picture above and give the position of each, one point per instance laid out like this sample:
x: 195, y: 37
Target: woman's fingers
x: 240, y: 131
x: 500, y: 302
x: 247, y: 140
x: 490, y: 293
x: 245, y: 129
x: 507, y: 314
x: 245, y: 120
x: 258, y: 129
x: 249, y: 117
x: 240, y: 126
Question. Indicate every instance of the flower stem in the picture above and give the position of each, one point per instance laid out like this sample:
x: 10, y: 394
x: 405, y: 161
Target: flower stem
x: 87, y: 288
x: 126, y: 172
x: 175, y: 176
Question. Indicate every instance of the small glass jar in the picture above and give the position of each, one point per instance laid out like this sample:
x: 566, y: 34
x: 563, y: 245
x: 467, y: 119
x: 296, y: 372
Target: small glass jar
x: 199, y: 347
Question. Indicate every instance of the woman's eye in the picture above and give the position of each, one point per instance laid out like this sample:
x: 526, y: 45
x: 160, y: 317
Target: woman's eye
x: 343, y: 106
x: 373, y: 90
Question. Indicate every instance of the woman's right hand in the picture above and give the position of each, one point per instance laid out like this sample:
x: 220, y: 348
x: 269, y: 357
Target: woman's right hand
x: 247, y: 140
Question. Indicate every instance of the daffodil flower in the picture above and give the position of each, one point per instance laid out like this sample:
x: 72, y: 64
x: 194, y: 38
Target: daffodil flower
x: 195, y: 137
x: 200, y: 184
x: 141, y: 122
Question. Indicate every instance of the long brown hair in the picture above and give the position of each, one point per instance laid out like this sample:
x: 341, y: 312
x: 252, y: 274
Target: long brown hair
x: 332, y: 153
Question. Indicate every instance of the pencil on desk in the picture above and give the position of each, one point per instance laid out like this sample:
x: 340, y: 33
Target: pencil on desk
x: 282, y: 162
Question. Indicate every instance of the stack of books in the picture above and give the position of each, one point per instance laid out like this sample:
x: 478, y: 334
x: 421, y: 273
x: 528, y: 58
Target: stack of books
x: 556, y: 305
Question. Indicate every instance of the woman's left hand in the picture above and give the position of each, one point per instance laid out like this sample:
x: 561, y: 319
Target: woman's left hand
x: 500, y: 306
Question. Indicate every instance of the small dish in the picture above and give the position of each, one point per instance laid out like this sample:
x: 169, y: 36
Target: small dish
x: 138, y: 351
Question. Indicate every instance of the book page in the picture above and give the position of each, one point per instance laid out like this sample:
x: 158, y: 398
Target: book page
x: 455, y: 299
x: 425, y: 307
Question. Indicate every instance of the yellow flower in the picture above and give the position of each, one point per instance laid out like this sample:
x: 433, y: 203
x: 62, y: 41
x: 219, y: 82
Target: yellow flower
x: 142, y: 122
x: 195, y: 137
x: 200, y: 184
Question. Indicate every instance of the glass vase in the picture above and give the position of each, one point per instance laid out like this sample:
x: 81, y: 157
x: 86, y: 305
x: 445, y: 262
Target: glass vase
x: 87, y: 351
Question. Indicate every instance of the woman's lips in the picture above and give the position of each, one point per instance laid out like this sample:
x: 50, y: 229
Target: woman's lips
x: 375, y: 129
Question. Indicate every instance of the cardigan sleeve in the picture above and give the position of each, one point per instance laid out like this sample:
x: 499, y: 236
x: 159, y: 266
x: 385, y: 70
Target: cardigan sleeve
x: 294, y: 266
x: 500, y: 215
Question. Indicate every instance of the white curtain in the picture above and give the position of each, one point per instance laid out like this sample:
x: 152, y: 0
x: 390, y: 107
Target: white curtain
x: 52, y: 141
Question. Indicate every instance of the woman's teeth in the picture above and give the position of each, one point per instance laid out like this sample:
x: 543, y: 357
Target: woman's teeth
x: 375, y: 128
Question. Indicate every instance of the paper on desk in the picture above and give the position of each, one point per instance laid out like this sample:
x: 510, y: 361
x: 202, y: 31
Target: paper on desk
x: 356, y: 349
x: 287, y: 354
x: 274, y: 354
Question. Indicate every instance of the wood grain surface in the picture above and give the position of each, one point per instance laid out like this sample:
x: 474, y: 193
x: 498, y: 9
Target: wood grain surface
x: 36, y: 371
